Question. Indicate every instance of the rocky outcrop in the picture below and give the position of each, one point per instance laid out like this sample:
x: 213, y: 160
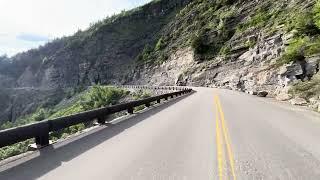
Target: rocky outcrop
x: 299, y: 102
x: 262, y: 94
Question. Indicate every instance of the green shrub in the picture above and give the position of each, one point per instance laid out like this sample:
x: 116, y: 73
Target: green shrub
x: 251, y: 43
x: 198, y: 44
x: 313, y: 46
x: 225, y: 50
x: 259, y: 19
x: 316, y: 14
x: 160, y: 45
x: 307, y: 89
x: 304, y: 23
x: 295, y: 51
x: 100, y: 96
x: 145, y: 55
x: 15, y: 149
x: 299, y: 48
x: 141, y: 95
x: 40, y: 115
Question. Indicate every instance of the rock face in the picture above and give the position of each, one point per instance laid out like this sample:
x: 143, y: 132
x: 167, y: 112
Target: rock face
x: 22, y: 101
x: 248, y: 73
x: 247, y: 68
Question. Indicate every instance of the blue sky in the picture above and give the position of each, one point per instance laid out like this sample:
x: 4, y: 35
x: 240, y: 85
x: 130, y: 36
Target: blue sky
x: 26, y: 24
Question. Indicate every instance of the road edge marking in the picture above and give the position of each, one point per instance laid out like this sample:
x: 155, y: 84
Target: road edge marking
x: 226, y: 136
x: 219, y: 146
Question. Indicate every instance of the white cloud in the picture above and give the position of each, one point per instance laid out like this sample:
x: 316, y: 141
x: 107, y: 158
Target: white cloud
x: 48, y: 18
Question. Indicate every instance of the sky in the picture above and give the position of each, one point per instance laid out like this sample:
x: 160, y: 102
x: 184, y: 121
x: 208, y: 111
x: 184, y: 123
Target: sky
x: 26, y: 24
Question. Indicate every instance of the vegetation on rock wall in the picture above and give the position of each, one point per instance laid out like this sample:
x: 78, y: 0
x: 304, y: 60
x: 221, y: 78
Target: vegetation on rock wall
x: 307, y: 89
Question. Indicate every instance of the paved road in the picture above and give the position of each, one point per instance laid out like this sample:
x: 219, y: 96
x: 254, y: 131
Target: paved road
x: 211, y: 134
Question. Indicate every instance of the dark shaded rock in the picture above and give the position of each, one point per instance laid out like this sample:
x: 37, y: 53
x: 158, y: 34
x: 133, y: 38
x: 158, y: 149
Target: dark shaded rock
x: 262, y: 94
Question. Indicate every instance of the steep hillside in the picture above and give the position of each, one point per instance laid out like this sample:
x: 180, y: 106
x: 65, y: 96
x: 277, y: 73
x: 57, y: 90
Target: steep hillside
x: 98, y: 54
x: 251, y: 46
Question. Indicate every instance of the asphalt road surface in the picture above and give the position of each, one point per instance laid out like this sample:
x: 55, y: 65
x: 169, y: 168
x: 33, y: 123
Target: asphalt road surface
x: 209, y: 135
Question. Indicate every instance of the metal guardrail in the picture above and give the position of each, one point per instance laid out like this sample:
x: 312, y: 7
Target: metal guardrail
x: 40, y: 130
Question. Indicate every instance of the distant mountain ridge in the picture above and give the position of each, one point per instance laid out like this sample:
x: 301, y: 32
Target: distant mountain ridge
x: 99, y: 54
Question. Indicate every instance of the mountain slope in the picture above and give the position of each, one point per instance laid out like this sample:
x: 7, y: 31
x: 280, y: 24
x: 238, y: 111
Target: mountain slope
x: 246, y: 45
x: 98, y: 54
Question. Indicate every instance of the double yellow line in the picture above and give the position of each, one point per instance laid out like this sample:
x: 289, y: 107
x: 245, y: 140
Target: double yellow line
x: 223, y: 140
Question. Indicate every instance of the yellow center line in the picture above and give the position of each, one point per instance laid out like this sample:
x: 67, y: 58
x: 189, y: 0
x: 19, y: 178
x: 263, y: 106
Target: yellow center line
x: 219, y: 147
x: 226, y: 136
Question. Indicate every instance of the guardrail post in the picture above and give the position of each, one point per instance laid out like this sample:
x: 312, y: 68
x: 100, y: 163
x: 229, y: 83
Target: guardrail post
x: 159, y: 101
x: 42, y: 139
x: 130, y: 110
x: 101, y: 120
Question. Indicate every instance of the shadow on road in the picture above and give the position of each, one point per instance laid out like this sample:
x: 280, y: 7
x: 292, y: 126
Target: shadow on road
x: 52, y: 157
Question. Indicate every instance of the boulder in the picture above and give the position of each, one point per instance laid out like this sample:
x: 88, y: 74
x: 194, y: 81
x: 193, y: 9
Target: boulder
x: 283, y: 97
x: 314, y: 100
x: 314, y: 106
x: 314, y: 103
x: 291, y: 70
x: 298, y: 101
x: 262, y: 94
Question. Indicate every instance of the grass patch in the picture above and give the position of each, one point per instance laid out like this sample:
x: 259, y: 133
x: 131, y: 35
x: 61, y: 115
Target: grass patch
x: 259, y: 19
x: 307, y: 89
x: 299, y: 48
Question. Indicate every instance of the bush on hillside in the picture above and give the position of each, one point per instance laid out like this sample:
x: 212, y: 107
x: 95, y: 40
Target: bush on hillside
x: 316, y: 12
x: 160, y: 45
x: 304, y: 23
x: 307, y: 89
x: 198, y: 44
x: 295, y: 50
x: 100, y: 96
x: 259, y: 19
x: 144, y: 56
x: 300, y: 47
